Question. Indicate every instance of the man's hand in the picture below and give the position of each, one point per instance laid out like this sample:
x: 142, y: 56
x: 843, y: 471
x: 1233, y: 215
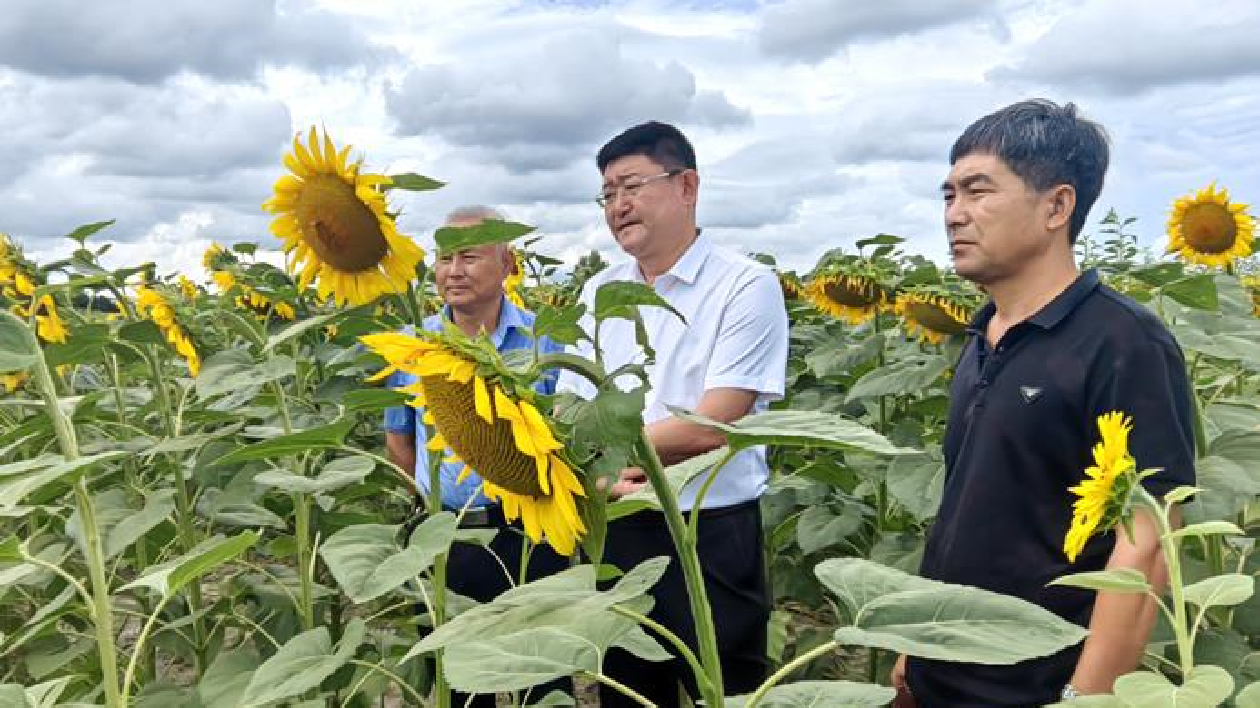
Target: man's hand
x: 629, y: 481
x: 897, y: 678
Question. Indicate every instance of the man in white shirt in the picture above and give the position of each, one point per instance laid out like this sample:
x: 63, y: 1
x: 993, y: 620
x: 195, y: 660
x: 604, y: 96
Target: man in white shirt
x: 726, y: 360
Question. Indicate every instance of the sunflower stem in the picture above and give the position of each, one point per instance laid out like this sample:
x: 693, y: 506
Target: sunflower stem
x: 1172, y: 559
x: 441, y: 690
x: 787, y: 669
x: 685, y: 544
x: 102, y: 609
x: 302, y: 524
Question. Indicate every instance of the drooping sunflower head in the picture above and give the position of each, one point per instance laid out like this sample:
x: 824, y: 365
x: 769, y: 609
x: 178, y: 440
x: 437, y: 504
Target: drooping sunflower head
x: 484, y: 416
x: 217, y: 257
x: 793, y: 288
x: 516, y: 279
x: 335, y: 225
x: 261, y: 306
x: 1252, y: 283
x: 1103, y: 494
x: 932, y: 314
x: 1208, y: 229
x: 155, y: 305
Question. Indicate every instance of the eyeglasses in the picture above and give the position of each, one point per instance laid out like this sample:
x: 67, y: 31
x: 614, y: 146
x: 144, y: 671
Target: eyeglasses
x: 630, y: 187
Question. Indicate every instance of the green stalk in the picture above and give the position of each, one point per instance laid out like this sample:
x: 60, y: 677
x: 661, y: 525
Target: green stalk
x: 787, y: 669
x: 102, y: 610
x: 685, y: 544
x: 1172, y: 559
x: 434, y: 501
x: 302, y: 525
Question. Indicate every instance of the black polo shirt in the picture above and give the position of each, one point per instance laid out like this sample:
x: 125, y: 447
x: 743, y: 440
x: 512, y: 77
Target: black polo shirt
x: 1022, y: 424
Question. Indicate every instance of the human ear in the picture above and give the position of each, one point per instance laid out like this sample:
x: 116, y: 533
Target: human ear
x: 1061, y: 203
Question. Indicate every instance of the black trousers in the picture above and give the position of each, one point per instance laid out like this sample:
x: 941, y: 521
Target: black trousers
x: 474, y: 572
x: 732, y: 560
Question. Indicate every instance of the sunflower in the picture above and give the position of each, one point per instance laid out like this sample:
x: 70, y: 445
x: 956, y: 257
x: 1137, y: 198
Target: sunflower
x: 931, y: 316
x: 512, y: 284
x: 1206, y: 228
x: 217, y: 257
x: 18, y: 281
x: 793, y: 288
x: 188, y: 288
x: 13, y: 381
x: 491, y: 423
x: 224, y: 279
x: 155, y: 307
x: 1104, y: 493
x: 853, y: 298
x: 262, y: 306
x: 1252, y: 283
x: 335, y: 226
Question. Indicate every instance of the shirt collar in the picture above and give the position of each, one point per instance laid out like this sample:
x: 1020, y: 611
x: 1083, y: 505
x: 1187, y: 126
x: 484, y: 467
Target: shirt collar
x: 1053, y: 313
x: 510, y: 317
x: 687, y: 269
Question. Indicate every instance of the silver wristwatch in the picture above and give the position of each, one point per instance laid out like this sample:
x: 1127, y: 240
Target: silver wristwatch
x: 1069, y: 693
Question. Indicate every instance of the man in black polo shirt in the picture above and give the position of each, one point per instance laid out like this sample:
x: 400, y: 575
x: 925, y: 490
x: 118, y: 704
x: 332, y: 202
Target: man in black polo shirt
x: 1052, y: 350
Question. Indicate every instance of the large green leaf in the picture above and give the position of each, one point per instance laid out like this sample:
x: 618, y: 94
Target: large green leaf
x: 1197, y: 291
x: 367, y: 561
x: 819, y: 527
x: 1205, y: 687
x: 321, y: 438
x: 339, y: 473
x: 170, y: 577
x: 808, y: 694
x: 910, y: 375
x: 18, y: 480
x: 565, y: 601
x: 1221, y: 590
x: 450, y: 239
x: 296, y: 329
x: 677, y: 475
x: 622, y: 298
x: 85, y: 346
x: 803, y: 428
x: 119, y: 522
x: 302, y: 664
x: 230, y: 370
x: 919, y: 617
x: 1115, y: 580
x: 917, y: 482
x: 532, y: 656
x: 224, y: 683
x: 18, y: 347
x: 413, y: 182
x: 1249, y: 697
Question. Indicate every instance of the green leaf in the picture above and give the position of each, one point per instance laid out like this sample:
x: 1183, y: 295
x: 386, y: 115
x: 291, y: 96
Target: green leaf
x: 413, y: 182
x: 934, y: 620
x: 301, y: 664
x: 517, y: 661
x: 1249, y: 697
x: 80, y: 234
x: 457, y: 238
x: 1207, y: 528
x: 83, y: 347
x: 339, y: 473
x: 917, y: 482
x: 321, y: 438
x: 1205, y: 687
x: 643, y: 645
x: 798, y: 428
x: 819, y: 528
x: 370, y: 400
x: 560, y: 324
x: 298, y: 328
x: 622, y: 298
x: 19, y: 349
x: 170, y: 577
x: 1181, y: 494
x: 880, y: 240
x: 1197, y: 291
x: 157, y: 508
x: 1117, y: 580
x: 367, y: 561
x: 142, y: 332
x: 18, y: 480
x: 233, y: 369
x: 1221, y: 590
x: 833, y: 694
x: 678, y: 475
x: 224, y: 683
x: 910, y: 375
x: 1158, y: 274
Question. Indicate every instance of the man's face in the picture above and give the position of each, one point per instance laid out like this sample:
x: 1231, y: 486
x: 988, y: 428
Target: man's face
x: 473, y: 276
x: 643, y: 213
x: 995, y: 222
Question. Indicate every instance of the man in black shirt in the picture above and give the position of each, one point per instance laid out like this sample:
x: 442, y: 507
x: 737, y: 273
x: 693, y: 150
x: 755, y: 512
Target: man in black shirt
x: 1052, y: 351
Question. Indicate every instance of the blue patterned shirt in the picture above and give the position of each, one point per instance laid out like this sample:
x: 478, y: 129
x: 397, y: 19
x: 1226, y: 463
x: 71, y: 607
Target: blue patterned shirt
x: 512, y: 333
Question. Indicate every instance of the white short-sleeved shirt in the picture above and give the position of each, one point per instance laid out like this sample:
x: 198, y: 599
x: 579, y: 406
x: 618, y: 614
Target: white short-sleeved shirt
x: 735, y: 336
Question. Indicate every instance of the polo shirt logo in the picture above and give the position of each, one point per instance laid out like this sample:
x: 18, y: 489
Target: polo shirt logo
x: 1030, y: 394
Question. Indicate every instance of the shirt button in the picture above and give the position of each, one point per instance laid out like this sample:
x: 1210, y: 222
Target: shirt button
x: 984, y: 383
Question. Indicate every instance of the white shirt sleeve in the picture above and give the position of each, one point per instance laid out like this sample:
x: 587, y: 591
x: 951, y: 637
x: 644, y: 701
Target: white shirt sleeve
x: 752, y: 345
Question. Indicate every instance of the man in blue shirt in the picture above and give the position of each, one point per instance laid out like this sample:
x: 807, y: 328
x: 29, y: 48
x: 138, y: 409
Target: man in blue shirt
x: 470, y: 283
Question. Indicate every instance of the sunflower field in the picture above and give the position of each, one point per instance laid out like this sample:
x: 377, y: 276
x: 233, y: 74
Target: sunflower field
x: 196, y: 508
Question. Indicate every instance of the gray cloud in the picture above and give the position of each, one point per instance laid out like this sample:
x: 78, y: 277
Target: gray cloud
x: 146, y: 41
x: 1126, y: 47
x: 914, y: 122
x: 812, y: 30
x: 546, y: 107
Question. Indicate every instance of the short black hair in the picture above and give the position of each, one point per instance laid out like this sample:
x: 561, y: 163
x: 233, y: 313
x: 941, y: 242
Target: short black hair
x: 661, y: 142
x: 1046, y: 145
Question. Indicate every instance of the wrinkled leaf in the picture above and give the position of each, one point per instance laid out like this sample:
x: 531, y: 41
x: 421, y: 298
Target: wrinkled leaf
x: 170, y: 577
x: 1205, y: 687
x: 832, y: 694
x: 801, y: 428
x: 367, y: 561
x: 1116, y: 580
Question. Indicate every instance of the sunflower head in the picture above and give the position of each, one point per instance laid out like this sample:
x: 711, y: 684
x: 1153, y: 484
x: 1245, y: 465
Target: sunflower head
x: 335, y: 225
x: 156, y: 306
x: 1252, y: 283
x: 1208, y: 229
x: 516, y: 279
x: 489, y: 418
x: 217, y: 257
x: 793, y: 288
x: 933, y: 313
x: 1104, y: 493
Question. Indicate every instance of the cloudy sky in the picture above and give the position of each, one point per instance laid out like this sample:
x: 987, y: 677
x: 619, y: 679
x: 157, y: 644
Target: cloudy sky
x: 816, y: 122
